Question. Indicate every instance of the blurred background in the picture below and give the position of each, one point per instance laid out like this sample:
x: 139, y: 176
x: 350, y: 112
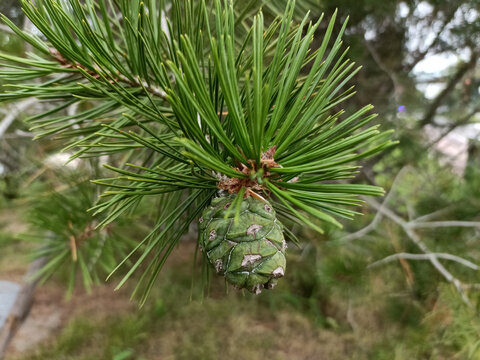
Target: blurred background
x: 399, y: 282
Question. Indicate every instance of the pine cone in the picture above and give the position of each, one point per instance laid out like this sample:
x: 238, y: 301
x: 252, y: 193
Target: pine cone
x: 248, y: 251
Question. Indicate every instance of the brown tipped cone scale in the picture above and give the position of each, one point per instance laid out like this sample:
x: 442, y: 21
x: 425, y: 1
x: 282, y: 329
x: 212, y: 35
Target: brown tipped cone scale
x: 247, y: 247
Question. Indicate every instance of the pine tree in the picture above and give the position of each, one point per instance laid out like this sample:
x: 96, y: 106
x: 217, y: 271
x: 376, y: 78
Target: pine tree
x: 233, y: 123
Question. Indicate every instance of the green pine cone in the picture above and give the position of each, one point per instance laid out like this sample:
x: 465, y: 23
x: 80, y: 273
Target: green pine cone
x: 249, y: 252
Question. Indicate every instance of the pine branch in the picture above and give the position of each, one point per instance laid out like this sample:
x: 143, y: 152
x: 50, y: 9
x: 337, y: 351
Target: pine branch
x: 202, y: 107
x: 135, y: 83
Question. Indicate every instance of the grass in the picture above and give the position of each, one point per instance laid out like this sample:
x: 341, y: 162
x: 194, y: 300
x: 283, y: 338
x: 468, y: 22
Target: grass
x: 86, y: 339
x: 381, y: 325
x: 13, y: 252
x: 327, y: 307
x: 173, y: 327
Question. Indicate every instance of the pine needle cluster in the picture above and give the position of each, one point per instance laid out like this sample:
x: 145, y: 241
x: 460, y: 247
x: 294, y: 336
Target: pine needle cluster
x: 192, y: 99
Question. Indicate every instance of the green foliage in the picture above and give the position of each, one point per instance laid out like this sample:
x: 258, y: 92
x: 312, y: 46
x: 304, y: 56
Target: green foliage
x: 462, y: 329
x: 189, y: 103
x: 67, y: 236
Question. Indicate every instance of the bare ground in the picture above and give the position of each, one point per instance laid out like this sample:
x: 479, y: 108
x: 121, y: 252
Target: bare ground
x: 51, y: 312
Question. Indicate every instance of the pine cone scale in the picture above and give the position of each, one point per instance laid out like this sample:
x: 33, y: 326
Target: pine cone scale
x: 249, y: 250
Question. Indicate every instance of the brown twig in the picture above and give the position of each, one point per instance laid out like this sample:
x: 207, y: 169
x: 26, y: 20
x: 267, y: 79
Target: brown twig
x: 154, y: 90
x: 77, y: 240
x: 251, y: 182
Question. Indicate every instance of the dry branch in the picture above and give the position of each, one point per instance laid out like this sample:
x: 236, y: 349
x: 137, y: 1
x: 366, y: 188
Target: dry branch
x: 22, y: 306
x: 437, y: 224
x: 378, y: 216
x: 424, y: 248
x: 445, y: 256
x: 408, y: 227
